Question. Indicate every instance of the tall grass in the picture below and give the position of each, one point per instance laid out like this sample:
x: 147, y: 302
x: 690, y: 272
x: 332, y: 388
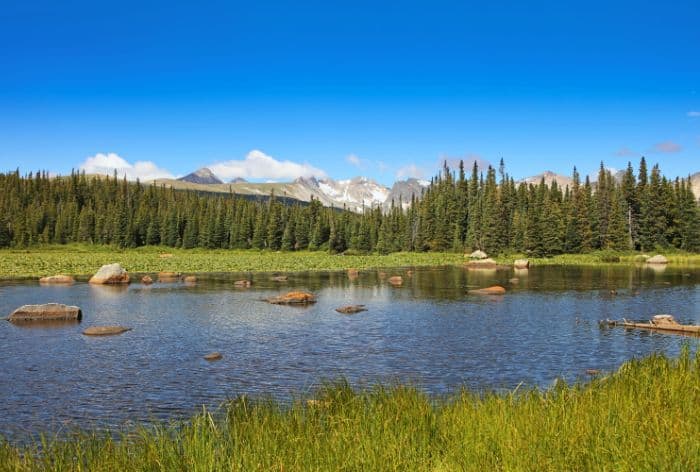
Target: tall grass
x: 643, y: 417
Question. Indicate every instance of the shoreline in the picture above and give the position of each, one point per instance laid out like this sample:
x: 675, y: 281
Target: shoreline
x: 84, y: 260
x: 606, y: 422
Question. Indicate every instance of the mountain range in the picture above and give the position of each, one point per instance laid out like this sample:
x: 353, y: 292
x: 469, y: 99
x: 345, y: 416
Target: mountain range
x: 354, y: 194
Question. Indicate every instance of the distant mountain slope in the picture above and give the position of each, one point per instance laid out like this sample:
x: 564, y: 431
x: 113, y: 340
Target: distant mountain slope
x: 695, y: 184
x: 549, y: 177
x: 403, y: 190
x: 202, y: 176
x: 355, y: 194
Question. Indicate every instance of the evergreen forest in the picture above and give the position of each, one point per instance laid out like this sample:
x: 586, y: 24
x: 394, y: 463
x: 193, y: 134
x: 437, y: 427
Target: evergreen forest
x: 461, y: 210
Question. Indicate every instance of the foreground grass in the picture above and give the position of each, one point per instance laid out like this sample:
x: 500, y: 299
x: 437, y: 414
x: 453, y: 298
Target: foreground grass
x: 87, y: 259
x: 644, y: 417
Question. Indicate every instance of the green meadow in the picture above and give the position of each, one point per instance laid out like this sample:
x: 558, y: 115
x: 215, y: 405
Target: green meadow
x: 75, y: 259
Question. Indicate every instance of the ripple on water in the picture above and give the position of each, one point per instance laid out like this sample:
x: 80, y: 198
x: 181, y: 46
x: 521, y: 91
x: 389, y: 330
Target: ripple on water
x: 428, y: 332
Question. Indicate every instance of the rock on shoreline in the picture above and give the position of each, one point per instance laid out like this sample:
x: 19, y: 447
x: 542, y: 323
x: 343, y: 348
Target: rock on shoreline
x: 57, y: 280
x: 110, y: 274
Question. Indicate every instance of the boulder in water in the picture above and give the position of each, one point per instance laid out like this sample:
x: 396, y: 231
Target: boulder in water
x: 46, y: 312
x: 396, y: 280
x: 110, y: 274
x: 493, y: 290
x: 105, y: 330
x: 487, y: 263
x: 657, y: 259
x: 279, y: 278
x: 293, y: 298
x: 242, y: 283
x: 351, y: 309
x: 190, y: 279
x: 521, y: 264
x: 57, y: 280
x: 213, y: 356
x: 169, y: 277
x: 146, y: 280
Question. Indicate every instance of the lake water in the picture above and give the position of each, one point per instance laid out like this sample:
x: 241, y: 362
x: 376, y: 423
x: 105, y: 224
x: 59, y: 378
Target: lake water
x: 428, y: 332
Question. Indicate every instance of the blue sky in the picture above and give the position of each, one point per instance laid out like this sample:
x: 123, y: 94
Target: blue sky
x: 269, y: 90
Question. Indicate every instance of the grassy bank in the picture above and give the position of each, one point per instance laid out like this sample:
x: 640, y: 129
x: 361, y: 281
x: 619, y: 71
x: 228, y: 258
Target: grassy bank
x: 601, y: 258
x: 644, y: 417
x: 85, y: 259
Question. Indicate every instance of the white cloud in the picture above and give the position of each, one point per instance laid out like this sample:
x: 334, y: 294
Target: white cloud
x: 693, y: 114
x: 354, y: 160
x: 258, y: 165
x: 667, y: 147
x: 469, y: 159
x: 410, y: 171
x: 624, y: 151
x: 107, y: 163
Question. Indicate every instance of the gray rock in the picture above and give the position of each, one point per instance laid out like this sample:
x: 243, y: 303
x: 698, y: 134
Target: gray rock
x: 213, y: 356
x: 521, y: 263
x: 351, y: 309
x: 110, y: 274
x: 657, y: 259
x: 57, y: 280
x: 478, y: 254
x: 105, y: 330
x: 46, y: 312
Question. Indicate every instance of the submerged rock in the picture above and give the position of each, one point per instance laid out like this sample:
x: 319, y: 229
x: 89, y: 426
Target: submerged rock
x: 146, y: 280
x: 169, y: 277
x: 279, y: 278
x: 487, y: 263
x: 396, y: 280
x: 293, y: 298
x: 214, y: 356
x: 57, y: 280
x: 242, y: 283
x: 657, y: 259
x: 353, y: 274
x: 190, y: 279
x: 46, y: 312
x: 110, y: 274
x: 105, y: 330
x: 351, y: 309
x: 493, y: 290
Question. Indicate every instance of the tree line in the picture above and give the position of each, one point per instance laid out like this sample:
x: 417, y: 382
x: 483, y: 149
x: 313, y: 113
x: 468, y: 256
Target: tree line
x: 456, y: 212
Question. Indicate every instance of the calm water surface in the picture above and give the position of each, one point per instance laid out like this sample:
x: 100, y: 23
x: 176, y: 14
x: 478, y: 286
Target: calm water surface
x: 428, y: 332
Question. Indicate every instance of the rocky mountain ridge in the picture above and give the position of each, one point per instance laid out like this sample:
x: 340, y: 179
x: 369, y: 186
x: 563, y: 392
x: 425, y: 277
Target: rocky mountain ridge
x: 355, y: 194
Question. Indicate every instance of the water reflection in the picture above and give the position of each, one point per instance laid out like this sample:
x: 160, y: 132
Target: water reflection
x: 427, y: 331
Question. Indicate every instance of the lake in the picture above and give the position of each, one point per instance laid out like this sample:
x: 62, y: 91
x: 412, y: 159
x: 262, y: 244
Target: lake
x: 428, y: 332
